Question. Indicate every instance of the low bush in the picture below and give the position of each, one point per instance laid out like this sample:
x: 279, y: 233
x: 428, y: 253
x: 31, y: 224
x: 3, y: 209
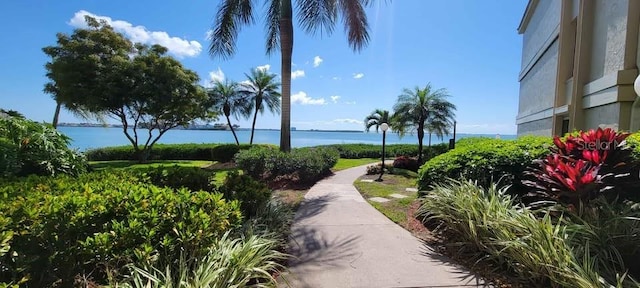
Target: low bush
x: 485, y: 160
x: 301, y: 166
x: 408, y: 163
x: 71, y: 227
x: 28, y: 147
x: 541, y: 249
x: 176, y: 177
x: 357, y: 151
x: 213, y: 152
x: 253, y: 195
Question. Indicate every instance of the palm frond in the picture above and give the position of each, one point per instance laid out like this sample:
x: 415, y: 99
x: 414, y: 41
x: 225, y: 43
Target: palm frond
x: 232, y: 14
x: 355, y: 23
x: 318, y: 15
x: 272, y: 25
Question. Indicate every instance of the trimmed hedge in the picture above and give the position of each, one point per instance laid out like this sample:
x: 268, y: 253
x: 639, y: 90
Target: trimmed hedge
x: 176, y: 177
x: 92, y: 225
x: 213, y: 152
x: 484, y: 160
x: 357, y: 151
x: 302, y: 165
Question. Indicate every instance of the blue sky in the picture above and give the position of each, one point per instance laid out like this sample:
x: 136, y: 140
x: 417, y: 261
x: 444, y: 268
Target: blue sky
x: 469, y: 47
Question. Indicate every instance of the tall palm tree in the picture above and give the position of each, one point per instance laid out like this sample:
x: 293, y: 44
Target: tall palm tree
x: 376, y: 118
x: 314, y: 16
x: 261, y: 87
x: 227, y: 97
x: 422, y: 109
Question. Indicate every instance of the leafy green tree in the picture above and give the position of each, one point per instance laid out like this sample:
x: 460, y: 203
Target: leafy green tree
x: 422, y: 109
x: 314, y: 16
x: 97, y: 71
x: 376, y: 118
x: 262, y: 88
x: 228, y: 98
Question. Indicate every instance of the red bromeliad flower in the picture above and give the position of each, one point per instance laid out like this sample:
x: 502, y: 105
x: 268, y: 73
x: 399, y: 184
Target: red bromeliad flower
x: 595, y: 146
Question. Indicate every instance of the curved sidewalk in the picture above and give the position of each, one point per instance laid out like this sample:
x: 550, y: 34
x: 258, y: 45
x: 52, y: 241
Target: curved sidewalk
x: 339, y: 240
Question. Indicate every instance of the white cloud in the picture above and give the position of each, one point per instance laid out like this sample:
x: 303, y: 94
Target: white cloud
x: 297, y: 74
x: 217, y: 75
x: 336, y: 78
x: 358, y: 75
x: 350, y: 102
x: 265, y: 67
x: 317, y: 61
x: 348, y: 121
x: 139, y: 34
x: 302, y: 98
x: 335, y: 98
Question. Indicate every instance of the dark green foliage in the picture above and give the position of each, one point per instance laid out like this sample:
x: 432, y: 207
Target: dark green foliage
x: 253, y: 195
x: 408, y: 163
x: 357, y: 151
x: 303, y: 165
x: 29, y: 147
x: 96, y: 223
x: 176, y: 177
x: 213, y: 152
x: 485, y: 160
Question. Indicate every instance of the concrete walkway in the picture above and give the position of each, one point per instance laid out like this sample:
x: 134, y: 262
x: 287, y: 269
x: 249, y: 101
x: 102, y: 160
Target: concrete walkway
x: 339, y: 240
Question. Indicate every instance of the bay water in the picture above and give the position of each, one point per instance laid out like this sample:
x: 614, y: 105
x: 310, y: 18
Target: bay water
x: 84, y: 138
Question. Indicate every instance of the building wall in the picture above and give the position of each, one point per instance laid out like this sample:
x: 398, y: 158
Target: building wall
x: 542, y: 26
x: 606, y: 116
x: 539, y: 127
x: 609, y: 36
x: 537, y: 88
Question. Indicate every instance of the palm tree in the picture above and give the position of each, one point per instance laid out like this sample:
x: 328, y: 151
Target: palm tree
x: 376, y: 118
x: 423, y: 109
x: 315, y: 15
x: 261, y: 87
x: 227, y: 97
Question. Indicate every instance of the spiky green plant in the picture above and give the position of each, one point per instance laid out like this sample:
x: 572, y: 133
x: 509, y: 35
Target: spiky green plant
x: 234, y: 263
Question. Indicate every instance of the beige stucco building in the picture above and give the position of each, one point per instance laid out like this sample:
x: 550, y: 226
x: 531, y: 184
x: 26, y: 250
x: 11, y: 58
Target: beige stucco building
x: 579, y: 61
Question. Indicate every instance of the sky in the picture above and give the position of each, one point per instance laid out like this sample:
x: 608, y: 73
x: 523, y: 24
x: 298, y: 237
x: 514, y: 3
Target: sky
x: 471, y: 48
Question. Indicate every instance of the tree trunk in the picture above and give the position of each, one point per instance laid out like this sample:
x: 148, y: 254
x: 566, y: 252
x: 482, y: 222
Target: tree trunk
x: 429, y: 147
x: 255, y: 116
x: 420, y: 137
x: 232, y: 131
x: 286, y: 50
x: 56, y: 115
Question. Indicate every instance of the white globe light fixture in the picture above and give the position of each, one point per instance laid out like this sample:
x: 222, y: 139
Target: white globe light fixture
x: 636, y: 85
x: 384, y: 127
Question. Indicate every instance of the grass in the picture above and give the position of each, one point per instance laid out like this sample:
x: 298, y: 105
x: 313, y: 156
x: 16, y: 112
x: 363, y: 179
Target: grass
x: 126, y: 164
x: 350, y: 163
x: 396, y: 209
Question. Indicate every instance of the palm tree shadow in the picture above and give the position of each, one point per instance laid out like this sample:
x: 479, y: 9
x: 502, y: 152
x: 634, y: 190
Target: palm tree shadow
x: 464, y: 276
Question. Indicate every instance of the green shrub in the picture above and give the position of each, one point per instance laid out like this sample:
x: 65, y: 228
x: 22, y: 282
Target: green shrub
x: 303, y: 165
x: 488, y: 228
x: 485, y: 160
x: 213, y: 152
x: 176, y: 177
x: 358, y: 151
x: 29, y: 148
x: 95, y: 224
x: 253, y: 195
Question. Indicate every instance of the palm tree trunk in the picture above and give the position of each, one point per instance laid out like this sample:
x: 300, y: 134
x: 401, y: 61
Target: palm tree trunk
x: 232, y: 131
x: 420, y: 138
x: 286, y: 50
x: 253, y: 126
x: 56, y: 115
x: 429, y: 147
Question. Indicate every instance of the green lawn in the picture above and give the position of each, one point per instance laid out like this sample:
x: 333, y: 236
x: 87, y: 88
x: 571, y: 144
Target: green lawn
x: 350, y: 163
x: 396, y: 209
x: 122, y: 164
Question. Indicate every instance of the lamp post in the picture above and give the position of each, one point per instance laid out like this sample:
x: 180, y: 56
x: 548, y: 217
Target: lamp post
x: 384, y: 127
